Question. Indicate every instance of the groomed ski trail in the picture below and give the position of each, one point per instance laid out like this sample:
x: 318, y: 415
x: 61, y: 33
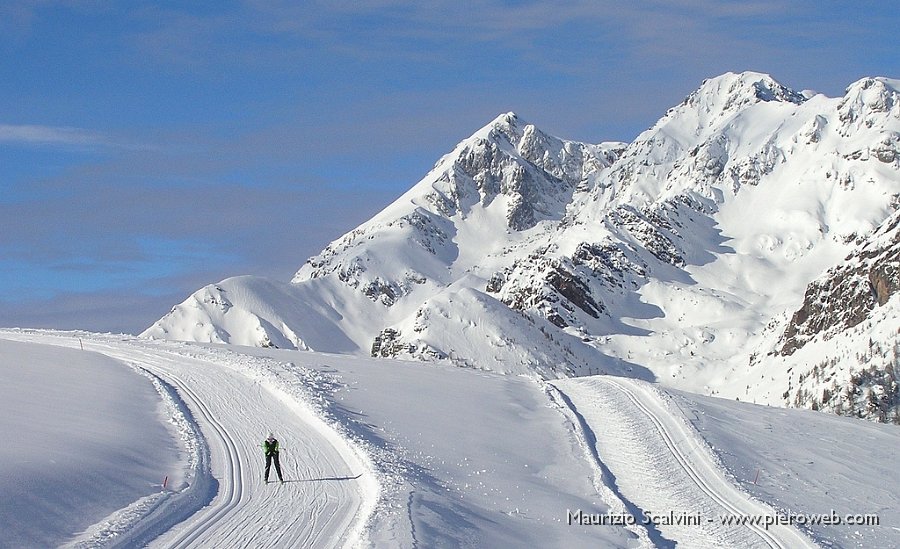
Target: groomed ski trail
x: 329, y: 492
x: 663, y: 467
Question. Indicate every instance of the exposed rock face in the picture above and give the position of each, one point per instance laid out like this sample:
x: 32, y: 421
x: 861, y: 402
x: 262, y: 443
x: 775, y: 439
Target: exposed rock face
x: 847, y: 294
x: 846, y: 303
x: 387, y: 344
x: 554, y: 294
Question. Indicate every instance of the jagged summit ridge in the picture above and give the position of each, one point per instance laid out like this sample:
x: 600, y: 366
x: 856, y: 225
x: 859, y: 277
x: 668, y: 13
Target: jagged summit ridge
x: 736, y: 90
x: 509, y: 178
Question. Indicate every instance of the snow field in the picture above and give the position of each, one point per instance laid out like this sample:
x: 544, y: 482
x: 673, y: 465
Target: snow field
x: 799, y: 461
x: 467, y: 458
x: 83, y: 437
x: 389, y: 453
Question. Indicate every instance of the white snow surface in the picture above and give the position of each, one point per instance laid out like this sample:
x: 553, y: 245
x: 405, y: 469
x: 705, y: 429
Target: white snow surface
x: 805, y: 462
x: 389, y: 453
x: 233, y: 401
x: 82, y: 438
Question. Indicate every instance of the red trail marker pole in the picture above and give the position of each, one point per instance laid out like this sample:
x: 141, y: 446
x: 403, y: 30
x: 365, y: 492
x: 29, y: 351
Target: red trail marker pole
x: 165, y: 482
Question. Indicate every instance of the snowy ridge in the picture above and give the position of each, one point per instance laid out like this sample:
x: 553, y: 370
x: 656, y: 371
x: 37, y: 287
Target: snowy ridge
x: 680, y: 256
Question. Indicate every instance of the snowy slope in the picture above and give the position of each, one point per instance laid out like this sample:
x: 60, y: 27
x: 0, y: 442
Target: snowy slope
x: 361, y: 469
x: 83, y: 437
x: 845, y: 334
x: 665, y: 469
x: 806, y: 463
x: 389, y: 453
x: 709, y: 457
x: 258, y: 312
x: 704, y: 235
x: 232, y: 401
x: 681, y: 256
x: 742, y: 195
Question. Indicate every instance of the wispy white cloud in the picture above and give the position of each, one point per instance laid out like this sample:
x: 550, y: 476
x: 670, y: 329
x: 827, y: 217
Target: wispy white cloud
x: 64, y: 136
x: 60, y: 135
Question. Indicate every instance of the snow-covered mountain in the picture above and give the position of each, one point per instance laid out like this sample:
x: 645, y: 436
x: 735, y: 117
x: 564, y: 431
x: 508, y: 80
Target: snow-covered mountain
x: 499, y: 194
x: 700, y: 255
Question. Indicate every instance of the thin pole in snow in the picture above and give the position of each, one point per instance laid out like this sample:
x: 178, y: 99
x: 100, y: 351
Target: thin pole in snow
x: 82, y: 343
x: 165, y: 482
x: 757, y: 477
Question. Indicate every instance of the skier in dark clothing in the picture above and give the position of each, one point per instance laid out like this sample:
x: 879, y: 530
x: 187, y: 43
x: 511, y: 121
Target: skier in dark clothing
x: 270, y: 446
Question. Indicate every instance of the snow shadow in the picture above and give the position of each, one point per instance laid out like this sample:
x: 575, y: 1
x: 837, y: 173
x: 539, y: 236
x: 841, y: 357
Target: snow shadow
x: 323, y: 479
x: 609, y: 479
x: 175, y: 507
x: 697, y: 243
x: 618, y: 367
x: 436, y: 516
x: 698, y: 232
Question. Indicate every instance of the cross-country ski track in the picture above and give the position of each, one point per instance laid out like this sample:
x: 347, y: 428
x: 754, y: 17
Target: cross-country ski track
x: 662, y: 467
x: 329, y: 492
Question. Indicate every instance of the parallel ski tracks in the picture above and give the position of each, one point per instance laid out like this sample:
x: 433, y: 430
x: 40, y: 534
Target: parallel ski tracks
x: 232, y: 491
x: 691, y: 469
x: 632, y: 437
x: 232, y: 486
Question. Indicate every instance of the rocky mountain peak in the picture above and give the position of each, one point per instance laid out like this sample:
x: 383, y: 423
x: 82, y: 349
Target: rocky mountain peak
x: 730, y: 93
x: 506, y: 125
x: 533, y: 173
x: 732, y: 90
x: 869, y: 98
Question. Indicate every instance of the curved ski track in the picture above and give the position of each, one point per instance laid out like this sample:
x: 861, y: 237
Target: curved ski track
x: 232, y: 482
x: 324, y: 501
x: 660, y: 463
x: 303, y: 512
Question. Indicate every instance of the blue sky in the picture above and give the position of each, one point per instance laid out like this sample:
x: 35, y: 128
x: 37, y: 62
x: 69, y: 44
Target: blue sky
x: 149, y: 148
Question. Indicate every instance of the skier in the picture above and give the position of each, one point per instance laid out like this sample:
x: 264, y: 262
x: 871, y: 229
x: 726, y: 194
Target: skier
x: 270, y: 446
